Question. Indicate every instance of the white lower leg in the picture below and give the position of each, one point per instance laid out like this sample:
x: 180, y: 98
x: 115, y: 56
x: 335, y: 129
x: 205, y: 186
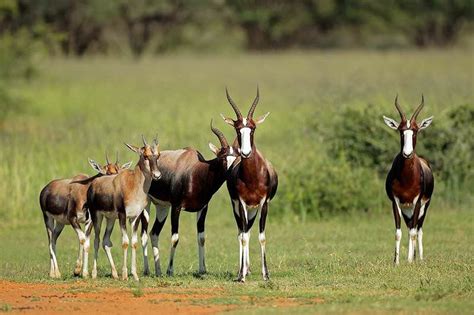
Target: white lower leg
x: 239, y: 238
x: 156, y: 254
x: 247, y: 254
x: 134, y: 254
x: 85, y: 267
x: 411, y: 245
x: 398, y: 238
x: 174, y: 243
x: 201, y: 240
x: 125, y: 243
x: 245, y: 244
x: 146, y: 267
x: 420, y: 243
x: 262, y: 239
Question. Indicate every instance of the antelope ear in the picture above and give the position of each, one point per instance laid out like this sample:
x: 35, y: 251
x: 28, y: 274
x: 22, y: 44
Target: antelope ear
x: 426, y: 122
x: 390, y: 122
x: 126, y: 165
x: 262, y: 118
x: 228, y: 120
x: 133, y: 148
x: 96, y: 167
x: 213, y: 148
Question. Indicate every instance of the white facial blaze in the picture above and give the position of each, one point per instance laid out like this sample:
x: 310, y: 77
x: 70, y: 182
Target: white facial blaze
x: 230, y: 158
x: 245, y: 147
x: 408, y: 142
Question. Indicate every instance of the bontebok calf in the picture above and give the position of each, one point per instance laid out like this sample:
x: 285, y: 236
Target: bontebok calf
x: 63, y: 203
x: 188, y: 183
x: 252, y: 183
x: 102, y: 186
x: 410, y: 182
x: 126, y: 199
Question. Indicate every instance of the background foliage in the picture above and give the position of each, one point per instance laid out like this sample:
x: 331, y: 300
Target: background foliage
x: 76, y: 27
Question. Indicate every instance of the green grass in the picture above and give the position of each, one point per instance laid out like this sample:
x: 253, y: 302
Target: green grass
x: 80, y: 108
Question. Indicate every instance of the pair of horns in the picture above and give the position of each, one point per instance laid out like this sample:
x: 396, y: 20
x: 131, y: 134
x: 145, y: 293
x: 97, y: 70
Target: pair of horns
x: 220, y: 136
x: 415, y: 114
x: 236, y: 109
x: 155, y: 141
x: 107, y: 158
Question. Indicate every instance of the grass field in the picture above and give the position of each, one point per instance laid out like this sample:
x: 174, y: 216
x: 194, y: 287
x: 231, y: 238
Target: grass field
x: 79, y: 108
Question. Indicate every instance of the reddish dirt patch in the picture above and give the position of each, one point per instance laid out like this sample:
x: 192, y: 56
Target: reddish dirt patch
x: 37, y: 298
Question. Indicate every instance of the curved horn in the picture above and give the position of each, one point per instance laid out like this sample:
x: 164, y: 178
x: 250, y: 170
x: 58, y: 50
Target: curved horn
x: 402, y: 115
x: 219, y: 135
x: 117, y: 158
x: 254, y: 104
x: 144, y: 141
x: 155, y: 141
x: 418, y: 110
x: 107, y: 158
x: 234, y: 106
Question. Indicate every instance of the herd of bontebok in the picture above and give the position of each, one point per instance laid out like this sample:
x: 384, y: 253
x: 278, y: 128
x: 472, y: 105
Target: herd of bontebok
x: 184, y: 180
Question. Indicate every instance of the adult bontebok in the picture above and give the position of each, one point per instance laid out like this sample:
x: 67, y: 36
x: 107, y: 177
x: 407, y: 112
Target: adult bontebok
x: 63, y: 203
x: 252, y: 183
x: 410, y: 182
x: 126, y: 199
x: 188, y: 183
x: 102, y: 187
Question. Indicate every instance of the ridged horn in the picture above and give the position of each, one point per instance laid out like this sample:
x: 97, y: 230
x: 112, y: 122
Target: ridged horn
x: 219, y: 135
x: 402, y: 115
x: 418, y: 110
x: 144, y: 141
x: 107, y: 158
x: 254, y: 105
x: 234, y: 106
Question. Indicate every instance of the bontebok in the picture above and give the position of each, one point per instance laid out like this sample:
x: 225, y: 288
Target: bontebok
x: 252, y: 183
x: 63, y: 202
x: 188, y: 183
x: 410, y: 182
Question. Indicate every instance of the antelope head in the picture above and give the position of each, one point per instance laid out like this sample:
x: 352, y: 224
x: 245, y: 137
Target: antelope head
x: 245, y: 126
x: 226, y: 154
x: 109, y: 168
x: 149, y: 155
x: 408, y: 128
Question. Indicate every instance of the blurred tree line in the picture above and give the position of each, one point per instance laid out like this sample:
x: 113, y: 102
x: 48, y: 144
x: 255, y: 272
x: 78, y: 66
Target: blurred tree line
x: 78, y: 27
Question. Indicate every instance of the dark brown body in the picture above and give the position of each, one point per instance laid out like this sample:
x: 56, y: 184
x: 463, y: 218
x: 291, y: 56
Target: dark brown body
x: 407, y: 180
x: 188, y: 183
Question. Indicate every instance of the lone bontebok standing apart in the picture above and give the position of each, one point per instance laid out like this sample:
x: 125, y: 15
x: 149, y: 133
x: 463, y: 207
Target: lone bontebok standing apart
x: 410, y: 182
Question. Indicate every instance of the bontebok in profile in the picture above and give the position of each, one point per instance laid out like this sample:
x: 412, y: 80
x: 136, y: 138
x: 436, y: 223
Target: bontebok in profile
x: 410, y: 182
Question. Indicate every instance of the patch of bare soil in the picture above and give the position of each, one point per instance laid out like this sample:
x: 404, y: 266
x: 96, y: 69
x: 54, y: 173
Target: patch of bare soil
x: 75, y: 298
x: 81, y: 297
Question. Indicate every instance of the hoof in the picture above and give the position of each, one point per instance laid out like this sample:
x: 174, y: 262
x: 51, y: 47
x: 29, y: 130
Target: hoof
x: 114, y: 274
x: 135, y: 277
x: 169, y: 273
x: 94, y: 274
x: 124, y: 277
x: 85, y: 275
x: 266, y: 277
x: 146, y: 272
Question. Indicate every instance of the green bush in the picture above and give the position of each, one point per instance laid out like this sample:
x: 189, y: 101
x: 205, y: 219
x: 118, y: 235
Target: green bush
x: 322, y: 187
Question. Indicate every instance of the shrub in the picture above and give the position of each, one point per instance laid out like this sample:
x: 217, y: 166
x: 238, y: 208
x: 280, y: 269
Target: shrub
x: 319, y: 188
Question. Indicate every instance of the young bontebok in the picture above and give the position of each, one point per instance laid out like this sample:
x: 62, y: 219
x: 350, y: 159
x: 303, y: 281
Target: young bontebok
x: 63, y: 203
x: 103, y: 186
x: 410, y: 182
x: 252, y: 183
x: 127, y: 197
x: 188, y: 183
